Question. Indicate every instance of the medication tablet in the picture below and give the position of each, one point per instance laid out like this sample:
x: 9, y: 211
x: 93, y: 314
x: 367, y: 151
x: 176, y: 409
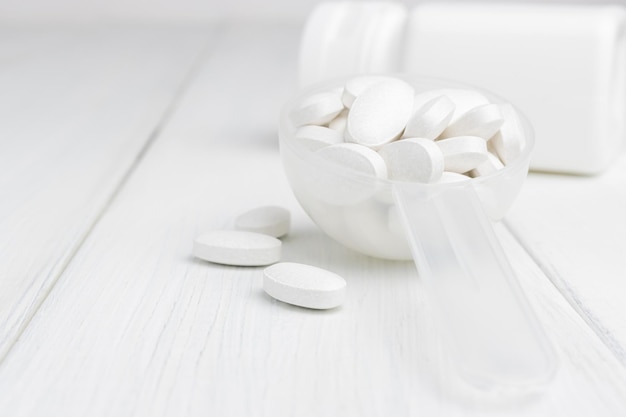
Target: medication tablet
x: 462, y: 153
x: 234, y: 247
x: 304, y: 285
x: 356, y: 157
x: 464, y: 100
x: 380, y: 114
x: 314, y: 137
x: 489, y: 166
x: 357, y: 85
x: 317, y: 109
x: 415, y: 159
x: 448, y: 177
x: 508, y: 142
x: 334, y: 187
x: 483, y: 121
x: 430, y: 119
x: 267, y: 220
x: 339, y: 122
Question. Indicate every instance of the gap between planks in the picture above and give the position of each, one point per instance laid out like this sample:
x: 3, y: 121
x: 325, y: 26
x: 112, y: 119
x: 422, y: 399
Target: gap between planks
x: 97, y: 213
x: 605, y: 336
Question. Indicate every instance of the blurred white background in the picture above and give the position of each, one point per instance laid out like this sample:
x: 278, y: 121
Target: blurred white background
x: 176, y: 10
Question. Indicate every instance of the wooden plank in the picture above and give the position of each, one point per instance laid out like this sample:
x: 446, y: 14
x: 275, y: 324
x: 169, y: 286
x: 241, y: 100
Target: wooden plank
x: 78, y: 107
x: 135, y: 326
x: 575, y: 230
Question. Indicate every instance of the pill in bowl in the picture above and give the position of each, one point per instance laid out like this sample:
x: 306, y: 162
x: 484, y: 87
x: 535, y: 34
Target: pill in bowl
x: 345, y: 142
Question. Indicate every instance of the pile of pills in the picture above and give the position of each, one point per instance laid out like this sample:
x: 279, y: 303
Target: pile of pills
x: 379, y: 126
x: 255, y: 243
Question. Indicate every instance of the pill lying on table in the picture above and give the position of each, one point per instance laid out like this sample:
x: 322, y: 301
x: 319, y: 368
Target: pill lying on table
x: 430, y: 119
x: 304, y: 285
x: 268, y: 220
x: 234, y: 247
x: 317, y: 109
x: 314, y: 137
x: 416, y: 159
x: 462, y: 153
x: 483, y: 121
x: 380, y: 114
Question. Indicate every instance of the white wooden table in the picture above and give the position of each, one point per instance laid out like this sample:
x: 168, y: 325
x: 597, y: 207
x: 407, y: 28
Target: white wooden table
x: 119, y: 144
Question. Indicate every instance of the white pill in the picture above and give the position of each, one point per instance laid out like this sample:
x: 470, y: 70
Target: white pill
x: 314, y: 137
x: 267, y: 220
x: 448, y: 177
x: 489, y: 166
x: 356, y: 157
x: 483, y: 121
x: 356, y: 86
x: 509, y: 141
x: 304, y: 285
x: 380, y: 114
x: 317, y: 109
x: 430, y: 119
x: 464, y: 100
x: 413, y: 159
x: 235, y: 247
x: 336, y: 188
x: 339, y: 122
x: 462, y: 153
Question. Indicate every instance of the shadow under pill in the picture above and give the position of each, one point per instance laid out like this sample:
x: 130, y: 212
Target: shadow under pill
x: 266, y: 298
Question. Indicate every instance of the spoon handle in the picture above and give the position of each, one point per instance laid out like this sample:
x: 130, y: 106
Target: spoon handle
x: 493, y: 336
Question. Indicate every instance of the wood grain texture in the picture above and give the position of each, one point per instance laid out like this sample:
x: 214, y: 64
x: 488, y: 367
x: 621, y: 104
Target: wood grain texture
x: 77, y: 107
x: 575, y: 229
x: 136, y: 327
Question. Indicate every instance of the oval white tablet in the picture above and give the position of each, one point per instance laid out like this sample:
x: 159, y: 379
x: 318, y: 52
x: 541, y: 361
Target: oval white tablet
x: 314, y: 137
x: 339, y: 122
x: 430, y: 119
x: 448, y: 177
x: 304, y: 285
x: 234, y: 247
x: 356, y: 86
x: 509, y: 141
x: 338, y: 189
x: 380, y: 114
x: 356, y: 157
x: 482, y: 121
x: 268, y: 220
x: 489, y: 166
x: 415, y: 159
x: 464, y: 100
x: 462, y: 153
x: 317, y: 109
